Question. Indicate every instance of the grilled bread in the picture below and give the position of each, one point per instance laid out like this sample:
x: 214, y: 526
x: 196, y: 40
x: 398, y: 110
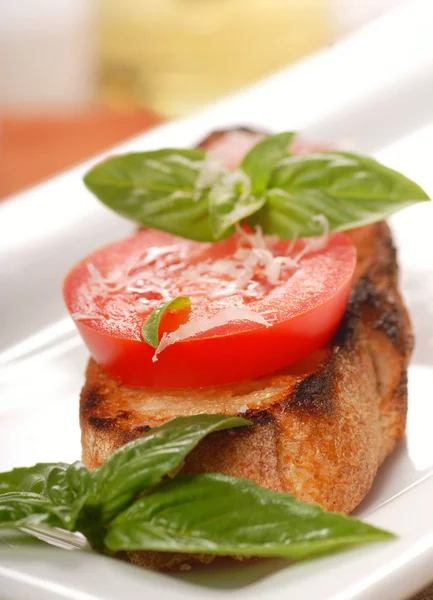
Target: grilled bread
x: 321, y: 429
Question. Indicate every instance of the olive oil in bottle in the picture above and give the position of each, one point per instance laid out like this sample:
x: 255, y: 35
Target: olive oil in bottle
x: 176, y: 55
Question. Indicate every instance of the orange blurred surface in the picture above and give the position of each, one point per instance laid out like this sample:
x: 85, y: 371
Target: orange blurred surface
x: 35, y: 147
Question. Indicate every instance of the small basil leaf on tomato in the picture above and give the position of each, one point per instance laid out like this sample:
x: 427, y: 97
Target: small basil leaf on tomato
x: 150, y: 329
x: 230, y: 202
x: 218, y: 514
x: 161, y: 189
x: 348, y: 189
x: 260, y: 161
x: 142, y: 464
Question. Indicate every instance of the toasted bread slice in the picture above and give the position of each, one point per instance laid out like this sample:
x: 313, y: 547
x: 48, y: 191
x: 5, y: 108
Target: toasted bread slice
x: 321, y: 430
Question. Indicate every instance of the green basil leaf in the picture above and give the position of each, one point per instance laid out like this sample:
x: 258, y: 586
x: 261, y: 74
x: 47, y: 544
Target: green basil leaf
x: 348, y: 189
x: 260, y: 161
x: 58, y: 489
x: 230, y: 202
x: 27, y: 509
x: 142, y: 464
x: 159, y: 189
x: 28, y: 479
x: 28, y: 519
x: 150, y: 329
x: 69, y: 490
x: 217, y: 514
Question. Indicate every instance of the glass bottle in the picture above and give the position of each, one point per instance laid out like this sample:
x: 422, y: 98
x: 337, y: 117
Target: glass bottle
x: 176, y: 55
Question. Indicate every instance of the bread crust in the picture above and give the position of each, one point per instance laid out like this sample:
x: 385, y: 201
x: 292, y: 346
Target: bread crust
x: 320, y: 434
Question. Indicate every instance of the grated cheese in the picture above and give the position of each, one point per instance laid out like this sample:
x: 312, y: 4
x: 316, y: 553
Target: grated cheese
x: 223, y: 189
x: 248, y: 261
x: 247, y: 275
x: 211, y: 171
x: 178, y: 194
x: 157, y: 165
x: 103, y: 283
x: 203, y: 324
x: 94, y: 273
x: 317, y: 243
x: 184, y: 161
x: 77, y: 316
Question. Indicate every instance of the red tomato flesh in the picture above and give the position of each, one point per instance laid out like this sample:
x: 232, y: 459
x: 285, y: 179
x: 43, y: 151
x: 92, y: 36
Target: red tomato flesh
x: 303, y: 309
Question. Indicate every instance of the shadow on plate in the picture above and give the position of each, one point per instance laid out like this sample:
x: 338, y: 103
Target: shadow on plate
x: 225, y: 573
x: 395, y: 475
x: 418, y: 293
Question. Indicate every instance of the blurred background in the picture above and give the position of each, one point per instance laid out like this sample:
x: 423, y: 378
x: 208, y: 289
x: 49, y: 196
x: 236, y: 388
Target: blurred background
x: 77, y: 76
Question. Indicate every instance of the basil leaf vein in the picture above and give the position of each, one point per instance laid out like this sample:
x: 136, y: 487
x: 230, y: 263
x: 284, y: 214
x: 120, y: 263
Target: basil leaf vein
x: 70, y: 489
x: 59, y: 491
x: 27, y: 509
x: 156, y: 189
x: 260, y: 161
x: 142, y: 464
x: 189, y: 193
x: 218, y: 514
x: 230, y: 202
x: 348, y: 189
x: 125, y: 505
x: 28, y: 479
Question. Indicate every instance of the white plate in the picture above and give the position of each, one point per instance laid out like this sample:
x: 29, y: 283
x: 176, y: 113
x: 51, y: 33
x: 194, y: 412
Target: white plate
x: 375, y: 88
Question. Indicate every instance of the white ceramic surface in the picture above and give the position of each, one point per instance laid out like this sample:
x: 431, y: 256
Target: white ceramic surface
x: 375, y: 89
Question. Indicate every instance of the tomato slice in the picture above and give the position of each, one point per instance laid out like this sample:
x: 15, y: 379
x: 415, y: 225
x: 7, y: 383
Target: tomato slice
x: 301, y: 294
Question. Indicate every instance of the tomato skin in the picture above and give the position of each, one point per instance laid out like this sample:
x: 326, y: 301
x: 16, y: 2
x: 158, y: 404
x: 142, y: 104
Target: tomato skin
x: 229, y: 356
x: 247, y: 353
